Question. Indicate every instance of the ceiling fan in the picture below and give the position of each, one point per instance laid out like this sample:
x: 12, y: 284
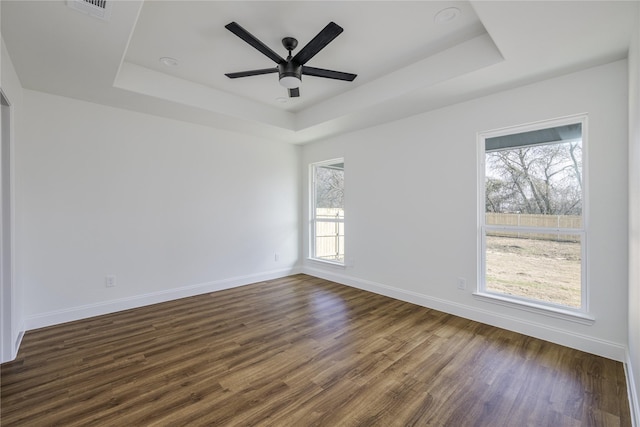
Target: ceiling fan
x: 290, y: 70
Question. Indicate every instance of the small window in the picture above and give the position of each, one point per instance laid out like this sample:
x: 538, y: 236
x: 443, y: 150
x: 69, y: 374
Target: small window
x: 327, y: 211
x: 532, y: 219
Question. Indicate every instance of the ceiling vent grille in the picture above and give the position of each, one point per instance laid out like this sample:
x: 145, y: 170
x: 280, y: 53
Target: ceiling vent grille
x: 97, y: 8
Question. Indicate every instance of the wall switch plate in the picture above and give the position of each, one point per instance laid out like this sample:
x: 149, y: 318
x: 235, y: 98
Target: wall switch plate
x: 462, y: 283
x: 110, y: 281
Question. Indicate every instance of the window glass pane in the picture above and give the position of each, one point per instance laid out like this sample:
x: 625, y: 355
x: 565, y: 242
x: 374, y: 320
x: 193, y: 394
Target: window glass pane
x: 330, y: 190
x: 328, y: 212
x: 532, y: 222
x: 330, y: 241
x: 536, y: 266
x: 535, y: 180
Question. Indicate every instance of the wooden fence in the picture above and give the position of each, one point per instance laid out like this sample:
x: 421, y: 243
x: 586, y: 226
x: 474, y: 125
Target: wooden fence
x: 536, y: 220
x: 330, y: 234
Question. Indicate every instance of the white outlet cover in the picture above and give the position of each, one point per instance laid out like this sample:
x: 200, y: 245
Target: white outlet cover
x: 110, y: 281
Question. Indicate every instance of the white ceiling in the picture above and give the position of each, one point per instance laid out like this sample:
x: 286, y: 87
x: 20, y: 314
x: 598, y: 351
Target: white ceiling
x: 406, y: 61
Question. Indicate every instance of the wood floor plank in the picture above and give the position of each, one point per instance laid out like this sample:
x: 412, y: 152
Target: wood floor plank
x: 302, y: 351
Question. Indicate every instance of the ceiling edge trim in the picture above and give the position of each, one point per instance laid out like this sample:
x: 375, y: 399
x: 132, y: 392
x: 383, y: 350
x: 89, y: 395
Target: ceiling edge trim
x: 464, y: 58
x: 135, y: 78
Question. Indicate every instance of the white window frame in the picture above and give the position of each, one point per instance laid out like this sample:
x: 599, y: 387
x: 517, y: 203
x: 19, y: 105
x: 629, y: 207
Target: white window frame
x: 313, y: 220
x: 580, y: 315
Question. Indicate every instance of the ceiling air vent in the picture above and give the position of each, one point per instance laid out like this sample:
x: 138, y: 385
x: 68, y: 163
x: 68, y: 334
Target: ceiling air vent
x: 97, y: 8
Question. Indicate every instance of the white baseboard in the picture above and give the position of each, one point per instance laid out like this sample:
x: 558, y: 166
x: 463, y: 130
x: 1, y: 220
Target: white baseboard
x: 600, y: 347
x: 105, y: 307
x: 632, y: 390
x: 16, y: 344
x: 16, y: 340
x: 585, y: 343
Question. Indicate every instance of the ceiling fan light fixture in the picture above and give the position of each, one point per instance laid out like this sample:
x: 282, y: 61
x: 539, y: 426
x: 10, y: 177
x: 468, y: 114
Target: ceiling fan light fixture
x: 290, y: 75
x: 290, y: 82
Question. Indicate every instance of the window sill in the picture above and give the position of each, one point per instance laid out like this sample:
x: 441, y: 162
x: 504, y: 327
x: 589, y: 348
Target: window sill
x: 533, y: 307
x: 327, y: 262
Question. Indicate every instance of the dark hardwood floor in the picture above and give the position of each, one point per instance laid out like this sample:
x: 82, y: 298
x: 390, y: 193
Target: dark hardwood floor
x: 302, y: 351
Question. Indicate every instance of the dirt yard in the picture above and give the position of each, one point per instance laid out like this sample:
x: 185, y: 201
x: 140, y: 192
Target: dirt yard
x: 539, y: 269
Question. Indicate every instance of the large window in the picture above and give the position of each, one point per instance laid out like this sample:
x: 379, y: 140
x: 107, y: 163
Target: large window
x: 532, y: 215
x: 327, y: 211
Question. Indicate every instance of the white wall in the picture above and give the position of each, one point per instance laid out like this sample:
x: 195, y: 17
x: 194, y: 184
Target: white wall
x: 411, y: 205
x: 633, y: 363
x: 12, y: 89
x: 170, y: 208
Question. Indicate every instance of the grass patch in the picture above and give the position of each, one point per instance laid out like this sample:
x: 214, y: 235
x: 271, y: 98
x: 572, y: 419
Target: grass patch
x: 542, y: 270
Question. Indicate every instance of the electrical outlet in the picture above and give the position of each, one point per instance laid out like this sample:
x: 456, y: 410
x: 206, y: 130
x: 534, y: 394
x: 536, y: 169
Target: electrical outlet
x: 276, y: 256
x: 110, y: 281
x: 462, y: 283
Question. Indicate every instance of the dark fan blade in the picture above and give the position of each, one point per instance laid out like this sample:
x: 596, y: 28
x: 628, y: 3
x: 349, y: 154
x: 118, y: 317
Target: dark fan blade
x: 294, y: 93
x: 324, y: 37
x: 252, y: 73
x: 246, y: 36
x: 329, y: 74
